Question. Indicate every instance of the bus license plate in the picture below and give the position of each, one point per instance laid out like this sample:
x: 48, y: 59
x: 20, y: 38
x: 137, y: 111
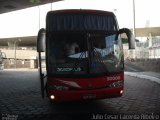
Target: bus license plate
x: 89, y: 96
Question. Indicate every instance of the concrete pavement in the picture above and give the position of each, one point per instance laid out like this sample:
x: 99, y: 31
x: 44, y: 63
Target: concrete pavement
x: 20, y: 99
x: 152, y: 76
x: 135, y: 71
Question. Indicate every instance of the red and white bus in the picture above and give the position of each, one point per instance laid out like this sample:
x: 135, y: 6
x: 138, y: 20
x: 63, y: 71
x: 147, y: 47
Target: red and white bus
x: 84, y: 55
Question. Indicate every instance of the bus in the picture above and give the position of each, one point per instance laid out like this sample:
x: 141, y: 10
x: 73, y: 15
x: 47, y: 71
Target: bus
x: 84, y: 55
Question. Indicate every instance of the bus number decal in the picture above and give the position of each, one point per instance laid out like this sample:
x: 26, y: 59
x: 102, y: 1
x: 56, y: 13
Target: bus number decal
x: 68, y: 69
x: 113, y: 78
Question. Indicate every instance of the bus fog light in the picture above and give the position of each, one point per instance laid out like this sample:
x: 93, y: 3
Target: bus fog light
x: 52, y: 97
x: 121, y: 92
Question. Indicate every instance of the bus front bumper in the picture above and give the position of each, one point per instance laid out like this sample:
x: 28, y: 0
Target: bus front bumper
x: 85, y: 94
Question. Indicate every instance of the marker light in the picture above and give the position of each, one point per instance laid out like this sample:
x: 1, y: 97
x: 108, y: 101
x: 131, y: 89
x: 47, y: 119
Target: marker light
x: 52, y: 97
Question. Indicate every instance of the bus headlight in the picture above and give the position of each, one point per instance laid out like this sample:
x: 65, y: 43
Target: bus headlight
x: 116, y: 84
x: 57, y: 87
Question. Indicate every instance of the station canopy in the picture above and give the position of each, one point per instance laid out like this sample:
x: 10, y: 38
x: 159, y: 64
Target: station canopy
x: 12, y: 5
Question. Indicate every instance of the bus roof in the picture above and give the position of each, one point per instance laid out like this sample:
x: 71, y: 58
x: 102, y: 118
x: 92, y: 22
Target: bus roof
x: 81, y: 20
x: 85, y: 11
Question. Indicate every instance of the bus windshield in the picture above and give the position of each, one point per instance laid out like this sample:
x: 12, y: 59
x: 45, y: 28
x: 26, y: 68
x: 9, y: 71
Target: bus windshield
x: 84, y: 54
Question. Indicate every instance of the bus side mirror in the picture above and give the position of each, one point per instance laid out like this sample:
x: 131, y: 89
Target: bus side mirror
x: 41, y: 40
x: 131, y: 39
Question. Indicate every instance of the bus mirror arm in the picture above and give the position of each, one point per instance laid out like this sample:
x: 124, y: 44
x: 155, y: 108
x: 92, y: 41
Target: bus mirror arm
x: 41, y: 74
x: 131, y: 39
x: 44, y: 76
x: 41, y: 39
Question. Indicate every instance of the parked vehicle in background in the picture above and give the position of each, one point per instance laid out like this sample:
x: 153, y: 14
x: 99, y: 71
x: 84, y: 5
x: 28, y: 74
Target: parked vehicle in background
x: 2, y: 56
